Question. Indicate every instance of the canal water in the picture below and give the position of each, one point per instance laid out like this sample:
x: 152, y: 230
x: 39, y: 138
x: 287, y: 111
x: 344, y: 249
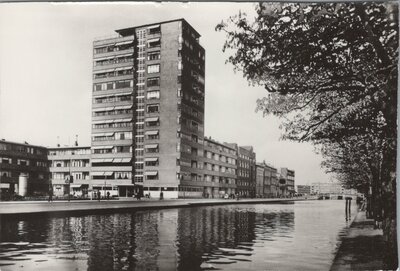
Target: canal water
x: 299, y: 236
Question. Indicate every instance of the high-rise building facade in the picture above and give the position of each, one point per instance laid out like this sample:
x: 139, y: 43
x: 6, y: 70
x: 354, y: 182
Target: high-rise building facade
x: 148, y: 109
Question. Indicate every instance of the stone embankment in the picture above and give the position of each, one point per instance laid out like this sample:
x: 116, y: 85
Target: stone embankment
x: 23, y: 208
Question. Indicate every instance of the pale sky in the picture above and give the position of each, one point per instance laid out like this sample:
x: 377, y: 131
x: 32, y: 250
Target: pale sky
x: 46, y: 66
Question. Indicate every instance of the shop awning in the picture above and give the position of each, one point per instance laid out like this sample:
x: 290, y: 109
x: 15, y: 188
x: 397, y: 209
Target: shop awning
x: 99, y: 109
x: 104, y: 45
x: 75, y: 185
x: 101, y: 147
x: 151, y: 173
x: 126, y: 160
x: 125, y: 55
x: 104, y: 71
x: 107, y: 160
x: 151, y: 146
x: 99, y: 173
x: 97, y: 160
x: 123, y: 93
x: 103, y: 134
x: 152, y: 119
x: 151, y: 132
x: 108, y: 173
x: 123, y: 42
x: 97, y: 186
x: 104, y: 108
x: 117, y: 160
x: 153, y: 26
x: 123, y: 107
x: 124, y: 68
x: 103, y: 96
x: 153, y: 40
x: 103, y: 58
x: 123, y: 120
x: 102, y: 121
x: 151, y: 159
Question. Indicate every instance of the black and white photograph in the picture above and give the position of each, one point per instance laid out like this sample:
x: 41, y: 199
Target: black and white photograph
x: 198, y: 136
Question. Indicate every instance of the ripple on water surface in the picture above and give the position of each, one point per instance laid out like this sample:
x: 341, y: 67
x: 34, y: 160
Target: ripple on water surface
x: 300, y: 236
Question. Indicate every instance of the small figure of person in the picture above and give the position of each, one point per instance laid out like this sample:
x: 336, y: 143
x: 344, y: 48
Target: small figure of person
x: 50, y: 195
x: 108, y: 195
x: 98, y: 195
x: 161, y: 195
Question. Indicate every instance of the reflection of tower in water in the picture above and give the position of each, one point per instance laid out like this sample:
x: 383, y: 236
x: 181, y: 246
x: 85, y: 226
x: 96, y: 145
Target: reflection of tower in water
x: 203, y: 231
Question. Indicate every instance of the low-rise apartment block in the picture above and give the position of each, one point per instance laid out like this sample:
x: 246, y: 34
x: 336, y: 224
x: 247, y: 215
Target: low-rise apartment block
x: 220, y: 168
x: 70, y: 161
x: 267, y: 182
x: 23, y: 169
x: 286, y: 182
x: 304, y: 189
x: 246, y: 172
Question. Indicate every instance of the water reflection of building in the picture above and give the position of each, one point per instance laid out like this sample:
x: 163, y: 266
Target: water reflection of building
x: 203, y: 231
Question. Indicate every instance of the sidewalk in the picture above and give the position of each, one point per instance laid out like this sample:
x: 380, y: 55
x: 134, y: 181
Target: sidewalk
x: 362, y: 248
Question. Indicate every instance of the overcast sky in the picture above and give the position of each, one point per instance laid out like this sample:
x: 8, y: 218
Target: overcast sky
x: 46, y: 65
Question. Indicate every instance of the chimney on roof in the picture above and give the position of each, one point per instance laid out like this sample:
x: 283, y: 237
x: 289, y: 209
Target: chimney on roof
x: 76, y: 140
x: 58, y: 141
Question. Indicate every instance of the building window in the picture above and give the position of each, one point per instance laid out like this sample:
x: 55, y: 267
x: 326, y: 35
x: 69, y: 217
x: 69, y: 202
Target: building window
x: 151, y: 135
x: 151, y: 161
x: 153, y: 43
x: 154, y: 30
x: 154, y: 81
x: 123, y: 84
x: 153, y: 108
x: 151, y: 148
x: 100, y: 50
x: 151, y: 175
x: 153, y: 55
x: 154, y: 94
x: 153, y: 68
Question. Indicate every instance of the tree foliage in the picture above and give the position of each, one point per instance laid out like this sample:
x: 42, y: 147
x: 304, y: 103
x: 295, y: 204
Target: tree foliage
x: 330, y: 70
x: 325, y: 65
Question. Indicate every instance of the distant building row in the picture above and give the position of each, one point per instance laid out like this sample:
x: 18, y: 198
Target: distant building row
x: 324, y: 188
x: 225, y: 169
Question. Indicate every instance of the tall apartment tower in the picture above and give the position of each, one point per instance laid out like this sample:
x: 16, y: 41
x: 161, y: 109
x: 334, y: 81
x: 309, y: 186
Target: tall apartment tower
x: 148, y: 110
